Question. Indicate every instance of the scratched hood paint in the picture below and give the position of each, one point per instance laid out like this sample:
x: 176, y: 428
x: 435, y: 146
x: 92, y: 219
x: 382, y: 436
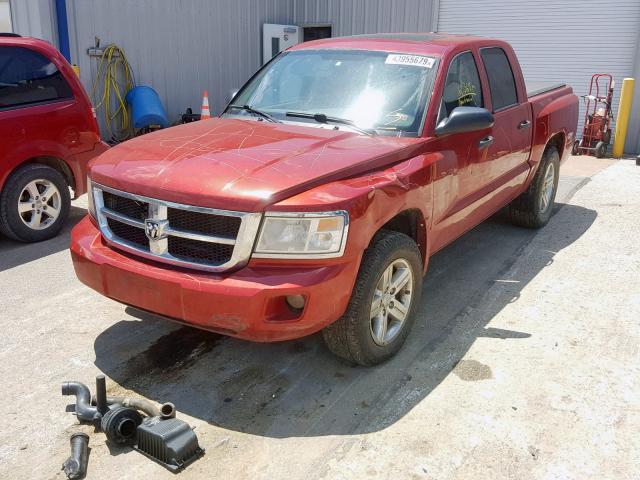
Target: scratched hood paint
x: 242, y: 165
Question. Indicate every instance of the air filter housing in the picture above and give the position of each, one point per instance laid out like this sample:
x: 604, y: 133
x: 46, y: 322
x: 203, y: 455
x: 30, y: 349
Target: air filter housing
x: 171, y: 442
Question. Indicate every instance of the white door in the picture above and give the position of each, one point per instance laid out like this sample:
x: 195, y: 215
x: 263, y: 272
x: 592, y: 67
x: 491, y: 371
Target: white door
x: 276, y: 38
x: 556, y: 41
x: 5, y: 17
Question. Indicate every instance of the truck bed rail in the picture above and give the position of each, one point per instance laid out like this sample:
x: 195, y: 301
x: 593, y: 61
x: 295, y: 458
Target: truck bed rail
x: 538, y: 89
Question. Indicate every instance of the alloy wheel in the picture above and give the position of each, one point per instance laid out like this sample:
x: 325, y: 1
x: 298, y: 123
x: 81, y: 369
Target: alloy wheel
x: 391, y: 302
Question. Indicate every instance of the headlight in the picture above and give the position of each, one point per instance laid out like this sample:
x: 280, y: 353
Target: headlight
x: 302, y: 235
x: 91, y: 206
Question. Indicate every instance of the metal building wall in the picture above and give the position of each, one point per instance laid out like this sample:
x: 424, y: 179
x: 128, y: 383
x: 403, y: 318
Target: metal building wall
x: 352, y: 17
x: 179, y: 47
x: 35, y: 18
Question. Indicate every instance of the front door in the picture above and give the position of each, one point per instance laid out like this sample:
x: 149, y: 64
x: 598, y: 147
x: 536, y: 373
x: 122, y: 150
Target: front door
x: 461, y: 175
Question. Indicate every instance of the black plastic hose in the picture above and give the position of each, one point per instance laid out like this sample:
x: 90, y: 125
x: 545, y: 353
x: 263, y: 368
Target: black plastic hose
x: 84, y: 410
x: 75, y: 466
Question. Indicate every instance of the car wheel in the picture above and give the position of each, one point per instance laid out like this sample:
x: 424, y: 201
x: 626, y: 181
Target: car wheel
x: 34, y: 204
x: 382, y: 307
x: 533, y: 208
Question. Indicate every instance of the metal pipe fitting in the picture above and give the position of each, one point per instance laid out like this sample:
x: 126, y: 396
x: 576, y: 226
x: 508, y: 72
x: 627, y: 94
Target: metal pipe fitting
x: 167, y: 410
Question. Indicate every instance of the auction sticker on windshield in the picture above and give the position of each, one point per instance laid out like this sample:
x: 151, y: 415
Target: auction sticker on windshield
x: 414, y: 60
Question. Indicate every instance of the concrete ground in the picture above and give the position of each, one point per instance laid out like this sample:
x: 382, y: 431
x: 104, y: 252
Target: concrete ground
x: 524, y: 363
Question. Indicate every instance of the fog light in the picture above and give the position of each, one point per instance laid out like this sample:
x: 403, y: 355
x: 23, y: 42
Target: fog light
x: 295, y: 301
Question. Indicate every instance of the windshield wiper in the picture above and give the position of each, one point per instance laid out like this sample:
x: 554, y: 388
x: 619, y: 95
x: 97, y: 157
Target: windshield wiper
x: 322, y: 118
x: 250, y: 109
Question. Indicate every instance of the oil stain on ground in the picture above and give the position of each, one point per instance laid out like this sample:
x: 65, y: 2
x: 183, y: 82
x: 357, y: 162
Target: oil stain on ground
x: 168, y: 355
x: 472, y: 370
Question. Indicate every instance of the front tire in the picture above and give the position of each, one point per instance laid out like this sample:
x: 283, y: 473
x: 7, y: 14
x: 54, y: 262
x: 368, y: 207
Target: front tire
x: 34, y: 204
x: 533, y: 208
x: 383, y: 303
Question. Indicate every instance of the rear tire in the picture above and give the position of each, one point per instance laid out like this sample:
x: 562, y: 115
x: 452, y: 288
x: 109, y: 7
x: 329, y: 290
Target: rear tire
x: 370, y: 331
x: 533, y: 208
x: 34, y: 203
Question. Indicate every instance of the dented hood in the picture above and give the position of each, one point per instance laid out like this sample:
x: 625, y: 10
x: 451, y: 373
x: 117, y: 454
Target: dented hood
x: 242, y: 165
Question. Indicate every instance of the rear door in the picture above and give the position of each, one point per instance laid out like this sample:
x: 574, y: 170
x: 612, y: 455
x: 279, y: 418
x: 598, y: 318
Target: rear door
x: 37, y: 104
x: 509, y: 154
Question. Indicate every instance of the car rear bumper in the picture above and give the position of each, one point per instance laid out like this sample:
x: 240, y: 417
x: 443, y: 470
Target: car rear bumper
x: 249, y: 303
x: 79, y: 166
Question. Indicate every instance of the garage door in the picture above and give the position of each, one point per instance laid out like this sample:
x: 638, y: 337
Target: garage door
x: 556, y: 40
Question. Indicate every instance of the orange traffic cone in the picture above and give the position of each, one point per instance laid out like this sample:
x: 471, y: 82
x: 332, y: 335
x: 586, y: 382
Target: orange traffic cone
x: 204, y: 112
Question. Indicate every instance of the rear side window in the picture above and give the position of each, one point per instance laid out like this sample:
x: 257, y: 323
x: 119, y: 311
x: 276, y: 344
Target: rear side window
x: 462, y: 86
x: 501, y: 82
x: 28, y: 78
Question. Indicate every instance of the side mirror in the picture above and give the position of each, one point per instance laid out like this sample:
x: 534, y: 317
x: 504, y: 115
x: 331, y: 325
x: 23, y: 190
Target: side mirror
x: 232, y: 95
x: 465, y: 119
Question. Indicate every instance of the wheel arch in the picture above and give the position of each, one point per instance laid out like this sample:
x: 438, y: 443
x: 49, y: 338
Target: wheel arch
x: 557, y: 140
x: 410, y: 222
x: 51, y: 161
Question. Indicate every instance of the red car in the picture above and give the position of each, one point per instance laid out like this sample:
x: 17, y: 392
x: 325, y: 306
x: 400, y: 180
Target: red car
x: 316, y: 200
x: 48, y: 133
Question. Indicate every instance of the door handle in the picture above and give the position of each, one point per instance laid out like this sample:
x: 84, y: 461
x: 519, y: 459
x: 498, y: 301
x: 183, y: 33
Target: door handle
x: 524, y: 124
x: 485, y: 142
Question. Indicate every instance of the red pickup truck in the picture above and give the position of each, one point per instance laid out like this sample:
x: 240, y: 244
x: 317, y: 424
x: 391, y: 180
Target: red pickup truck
x: 315, y: 200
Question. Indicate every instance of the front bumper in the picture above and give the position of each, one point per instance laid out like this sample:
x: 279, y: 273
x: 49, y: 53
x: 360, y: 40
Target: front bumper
x: 249, y: 303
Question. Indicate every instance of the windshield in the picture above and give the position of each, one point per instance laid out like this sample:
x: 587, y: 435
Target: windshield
x: 382, y: 91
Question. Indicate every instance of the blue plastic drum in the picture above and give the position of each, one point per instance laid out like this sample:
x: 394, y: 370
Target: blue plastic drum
x: 146, y: 108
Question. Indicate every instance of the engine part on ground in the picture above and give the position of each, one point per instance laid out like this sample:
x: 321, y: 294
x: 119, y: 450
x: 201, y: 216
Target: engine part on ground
x: 146, y: 108
x: 188, y: 116
x: 101, y: 395
x: 120, y: 423
x: 138, y: 403
x: 76, y: 465
x: 167, y: 410
x: 83, y: 408
x: 171, y: 442
x: 115, y: 78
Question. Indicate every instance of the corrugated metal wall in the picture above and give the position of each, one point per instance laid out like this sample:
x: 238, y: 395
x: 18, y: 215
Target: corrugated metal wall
x: 563, y: 41
x: 181, y: 47
x: 35, y: 18
x: 351, y: 17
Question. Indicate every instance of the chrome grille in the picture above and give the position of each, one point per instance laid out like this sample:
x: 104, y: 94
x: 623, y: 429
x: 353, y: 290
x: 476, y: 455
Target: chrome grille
x: 184, y: 235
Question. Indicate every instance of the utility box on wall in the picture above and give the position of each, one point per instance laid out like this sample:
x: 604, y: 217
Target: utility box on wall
x: 276, y: 38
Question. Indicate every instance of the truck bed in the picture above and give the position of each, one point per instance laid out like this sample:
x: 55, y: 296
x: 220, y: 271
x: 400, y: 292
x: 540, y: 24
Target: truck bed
x: 538, y: 88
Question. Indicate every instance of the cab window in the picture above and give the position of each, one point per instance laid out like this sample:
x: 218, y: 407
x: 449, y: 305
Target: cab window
x: 462, y: 85
x: 501, y: 82
x: 28, y: 78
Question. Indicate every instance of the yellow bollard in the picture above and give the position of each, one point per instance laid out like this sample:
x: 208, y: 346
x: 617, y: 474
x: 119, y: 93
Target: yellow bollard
x: 622, y: 120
